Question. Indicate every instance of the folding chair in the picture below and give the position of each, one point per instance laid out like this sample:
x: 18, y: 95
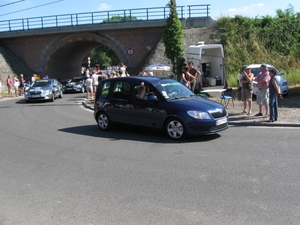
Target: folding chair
x: 227, y: 96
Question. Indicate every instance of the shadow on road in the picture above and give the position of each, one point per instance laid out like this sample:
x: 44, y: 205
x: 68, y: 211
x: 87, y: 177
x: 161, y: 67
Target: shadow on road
x: 134, y: 134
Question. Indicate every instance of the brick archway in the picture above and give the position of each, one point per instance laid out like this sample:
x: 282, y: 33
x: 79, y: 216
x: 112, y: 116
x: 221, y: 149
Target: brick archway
x: 63, y: 58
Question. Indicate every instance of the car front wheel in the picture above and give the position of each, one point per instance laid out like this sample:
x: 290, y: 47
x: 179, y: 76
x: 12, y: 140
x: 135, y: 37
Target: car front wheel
x: 175, y: 129
x: 52, y: 97
x: 103, y: 121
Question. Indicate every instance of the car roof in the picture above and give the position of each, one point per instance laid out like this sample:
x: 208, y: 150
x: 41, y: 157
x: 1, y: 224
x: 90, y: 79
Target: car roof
x: 258, y: 65
x: 149, y: 79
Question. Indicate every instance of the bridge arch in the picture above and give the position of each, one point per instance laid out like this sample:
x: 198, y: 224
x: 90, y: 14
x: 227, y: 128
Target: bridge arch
x: 63, y: 57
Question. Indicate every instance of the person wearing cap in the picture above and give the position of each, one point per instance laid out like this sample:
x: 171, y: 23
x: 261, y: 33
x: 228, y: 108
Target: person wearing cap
x: 247, y: 89
x: 262, y: 97
x: 274, y: 91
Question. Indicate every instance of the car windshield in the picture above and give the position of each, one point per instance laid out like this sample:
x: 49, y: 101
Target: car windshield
x: 256, y: 71
x: 76, y: 79
x: 171, y: 89
x: 41, y: 83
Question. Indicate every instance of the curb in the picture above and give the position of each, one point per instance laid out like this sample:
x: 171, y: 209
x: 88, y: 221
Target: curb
x: 236, y: 122
x: 262, y: 124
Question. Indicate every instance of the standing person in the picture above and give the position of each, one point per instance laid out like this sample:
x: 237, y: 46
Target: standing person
x: 122, y: 68
x: 262, y: 97
x: 33, y: 78
x: 247, y: 89
x: 46, y: 76
x: 143, y: 73
x: 274, y: 93
x: 22, y: 84
x: 9, y: 84
x: 188, y: 79
x: 16, y: 85
x: 0, y: 87
x: 89, y: 86
x: 239, y: 83
x: 95, y: 81
x: 197, y: 74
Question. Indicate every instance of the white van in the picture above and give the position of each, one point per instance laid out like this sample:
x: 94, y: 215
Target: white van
x: 209, y: 59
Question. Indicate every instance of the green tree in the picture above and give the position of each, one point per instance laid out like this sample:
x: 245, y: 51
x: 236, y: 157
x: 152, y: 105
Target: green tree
x: 103, y: 56
x: 173, y: 39
x: 117, y: 19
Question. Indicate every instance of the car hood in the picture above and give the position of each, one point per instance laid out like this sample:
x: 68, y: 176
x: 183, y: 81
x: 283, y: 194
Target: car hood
x: 196, y: 103
x: 39, y: 88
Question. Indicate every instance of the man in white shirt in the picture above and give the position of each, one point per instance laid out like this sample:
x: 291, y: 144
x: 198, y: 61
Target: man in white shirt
x: 95, y: 81
x: 89, y: 87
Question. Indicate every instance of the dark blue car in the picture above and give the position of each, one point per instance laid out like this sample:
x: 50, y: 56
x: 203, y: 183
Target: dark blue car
x: 157, y: 103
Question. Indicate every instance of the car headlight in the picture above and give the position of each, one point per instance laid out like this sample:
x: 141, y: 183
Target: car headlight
x: 46, y: 92
x: 198, y: 115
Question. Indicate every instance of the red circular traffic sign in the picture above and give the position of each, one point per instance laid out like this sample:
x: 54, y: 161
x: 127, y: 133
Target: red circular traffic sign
x: 130, y: 51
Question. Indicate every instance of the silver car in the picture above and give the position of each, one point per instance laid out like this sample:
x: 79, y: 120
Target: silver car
x: 45, y: 89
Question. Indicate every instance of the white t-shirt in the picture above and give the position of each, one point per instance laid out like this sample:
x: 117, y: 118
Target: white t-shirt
x: 123, y: 70
x: 95, y: 79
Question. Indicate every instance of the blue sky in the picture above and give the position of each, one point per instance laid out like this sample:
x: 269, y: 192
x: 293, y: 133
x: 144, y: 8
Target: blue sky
x: 15, y: 9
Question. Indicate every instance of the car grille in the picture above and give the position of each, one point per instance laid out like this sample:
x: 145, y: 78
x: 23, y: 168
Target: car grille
x: 35, y: 93
x: 219, y: 127
x: 218, y: 114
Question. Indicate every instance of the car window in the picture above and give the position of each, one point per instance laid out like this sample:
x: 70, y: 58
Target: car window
x: 171, y: 89
x: 77, y: 79
x: 41, y: 83
x: 121, y: 90
x: 104, y: 90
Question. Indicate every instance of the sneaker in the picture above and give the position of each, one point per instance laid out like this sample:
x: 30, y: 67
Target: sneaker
x: 259, y: 114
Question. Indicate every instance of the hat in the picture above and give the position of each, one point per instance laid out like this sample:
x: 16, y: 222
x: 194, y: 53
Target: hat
x: 263, y: 65
x: 248, y: 67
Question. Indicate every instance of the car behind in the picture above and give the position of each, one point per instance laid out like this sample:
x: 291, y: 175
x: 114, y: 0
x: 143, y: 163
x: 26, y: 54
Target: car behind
x: 283, y: 84
x: 76, y: 84
x: 167, y: 105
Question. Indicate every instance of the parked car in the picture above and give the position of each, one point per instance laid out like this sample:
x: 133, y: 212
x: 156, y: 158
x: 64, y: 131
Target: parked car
x: 76, y: 84
x: 167, y: 105
x: 45, y: 89
x: 283, y: 84
x: 64, y: 82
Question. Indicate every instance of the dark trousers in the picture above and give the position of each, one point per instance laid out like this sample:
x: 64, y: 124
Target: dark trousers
x: 273, y: 103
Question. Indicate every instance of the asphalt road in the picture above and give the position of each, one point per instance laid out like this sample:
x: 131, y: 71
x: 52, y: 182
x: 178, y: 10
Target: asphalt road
x: 57, y: 167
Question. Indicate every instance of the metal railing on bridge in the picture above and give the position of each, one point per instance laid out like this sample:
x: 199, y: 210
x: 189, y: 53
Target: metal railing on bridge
x: 104, y: 17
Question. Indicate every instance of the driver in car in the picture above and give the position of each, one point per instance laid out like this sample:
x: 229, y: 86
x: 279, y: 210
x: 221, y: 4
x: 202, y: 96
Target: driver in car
x: 141, y: 91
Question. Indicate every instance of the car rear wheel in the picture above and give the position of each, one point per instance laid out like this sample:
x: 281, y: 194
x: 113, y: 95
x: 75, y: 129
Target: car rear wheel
x: 103, y: 121
x: 82, y: 89
x: 175, y: 129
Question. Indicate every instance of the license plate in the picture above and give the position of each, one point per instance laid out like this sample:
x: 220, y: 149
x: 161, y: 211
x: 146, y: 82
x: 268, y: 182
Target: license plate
x: 221, y: 121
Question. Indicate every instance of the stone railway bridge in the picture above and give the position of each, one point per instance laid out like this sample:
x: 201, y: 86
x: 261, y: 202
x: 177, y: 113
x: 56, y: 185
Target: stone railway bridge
x: 59, y: 51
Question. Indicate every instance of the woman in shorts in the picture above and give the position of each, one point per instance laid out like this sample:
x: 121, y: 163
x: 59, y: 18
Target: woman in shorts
x: 247, y: 90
